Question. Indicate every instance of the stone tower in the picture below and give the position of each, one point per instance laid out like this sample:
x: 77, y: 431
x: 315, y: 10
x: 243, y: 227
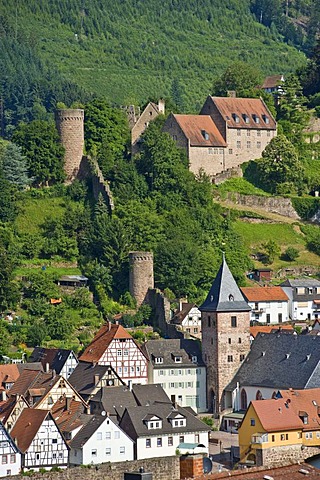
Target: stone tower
x: 70, y: 125
x: 141, y: 275
x: 225, y: 317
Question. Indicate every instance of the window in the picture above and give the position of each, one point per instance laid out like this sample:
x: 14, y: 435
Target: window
x: 258, y: 133
x: 181, y: 439
x: 268, y: 317
x: 116, y: 435
x: 125, y: 353
x: 266, y: 119
x: 239, y: 340
x: 268, y: 133
x: 238, y: 144
x: 230, y: 358
x: 159, y: 442
x: 171, y: 385
x: 119, y: 369
x: 119, y: 353
x: 161, y: 372
x: 108, y: 435
x: 170, y: 441
x: 37, y: 456
x: 148, y: 442
x: 122, y: 450
x: 93, y: 453
x: 239, y: 133
x: 258, y: 144
x: 248, y: 144
x: 229, y: 341
x: 256, y: 118
x: 4, y: 459
x: 221, y: 151
x: 279, y: 317
x: 209, y: 321
x: 248, y: 133
x: 9, y: 472
x: 125, y: 369
x: 284, y: 436
x: 242, y: 357
x: 233, y: 321
x: 236, y: 118
x: 178, y: 359
x: 230, y: 151
x: 273, y: 438
x: 252, y: 422
x: 195, y: 330
x: 159, y: 360
x: 309, y: 435
x: 215, y: 151
x: 210, y: 151
x: 179, y: 372
x: 196, y: 438
x: 299, y: 434
x: 108, y: 451
x: 99, y: 436
x: 12, y: 458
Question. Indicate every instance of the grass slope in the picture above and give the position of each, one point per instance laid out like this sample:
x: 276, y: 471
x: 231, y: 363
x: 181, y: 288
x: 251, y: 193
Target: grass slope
x: 134, y: 49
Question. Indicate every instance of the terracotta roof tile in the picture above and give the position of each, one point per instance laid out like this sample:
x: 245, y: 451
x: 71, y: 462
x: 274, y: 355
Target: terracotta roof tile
x: 27, y: 426
x: 307, y: 401
x: 264, y: 294
x: 8, y: 373
x: 195, y: 128
x: 276, y: 415
x: 102, y: 340
x: 236, y: 110
x: 270, y: 329
x: 272, y: 81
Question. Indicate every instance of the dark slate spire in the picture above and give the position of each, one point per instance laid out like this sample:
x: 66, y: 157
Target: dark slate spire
x: 225, y: 295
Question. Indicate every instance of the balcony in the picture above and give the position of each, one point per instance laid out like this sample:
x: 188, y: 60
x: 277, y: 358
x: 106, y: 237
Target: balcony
x: 259, y: 438
x: 258, y: 311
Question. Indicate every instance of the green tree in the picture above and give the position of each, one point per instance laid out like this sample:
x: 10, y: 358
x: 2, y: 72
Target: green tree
x: 14, y: 166
x: 280, y: 169
x: 291, y: 254
x: 9, y: 292
x: 40, y: 144
x: 271, y: 251
x: 5, y: 339
x: 240, y: 77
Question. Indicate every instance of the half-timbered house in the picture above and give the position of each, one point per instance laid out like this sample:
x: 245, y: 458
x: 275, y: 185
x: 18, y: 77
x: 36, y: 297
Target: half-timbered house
x: 11, y: 409
x: 10, y: 456
x: 63, y: 362
x: 40, y: 441
x: 114, y: 346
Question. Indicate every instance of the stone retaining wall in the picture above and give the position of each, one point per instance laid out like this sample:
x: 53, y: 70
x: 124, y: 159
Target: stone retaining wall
x: 280, y: 205
x: 274, y: 457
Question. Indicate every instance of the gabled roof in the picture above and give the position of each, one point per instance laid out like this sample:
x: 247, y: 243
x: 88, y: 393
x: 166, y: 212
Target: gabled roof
x: 225, y: 295
x: 264, y: 294
x: 8, y: 373
x: 168, y: 348
x: 67, y: 413
x: 307, y: 401
x: 200, y: 130
x: 180, y: 315
x: 254, y: 330
x: 7, y: 406
x: 235, y: 111
x: 133, y: 423
x: 298, y: 471
x: 275, y: 415
x: 280, y: 361
x: 24, y: 382
x: 272, y: 81
x: 84, y: 375
x: 27, y: 426
x: 102, y: 340
x: 301, y: 282
x: 54, y: 357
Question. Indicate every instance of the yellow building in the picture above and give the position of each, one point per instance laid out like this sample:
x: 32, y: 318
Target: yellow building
x: 284, y: 428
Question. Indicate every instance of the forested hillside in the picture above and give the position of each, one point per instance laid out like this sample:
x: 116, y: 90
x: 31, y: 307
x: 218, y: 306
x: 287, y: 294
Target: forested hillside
x: 127, y: 51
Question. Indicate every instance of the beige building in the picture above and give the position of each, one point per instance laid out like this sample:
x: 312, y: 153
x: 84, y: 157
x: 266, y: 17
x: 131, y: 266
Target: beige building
x: 140, y: 123
x: 201, y: 140
x: 228, y: 132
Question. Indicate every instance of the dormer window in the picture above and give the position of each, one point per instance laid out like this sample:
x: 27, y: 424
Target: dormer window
x: 194, y: 359
x: 236, y: 118
x: 266, y: 119
x: 179, y: 421
x: 177, y: 358
x: 246, y: 118
x: 256, y: 119
x: 304, y: 417
x: 153, y: 422
x: 231, y: 298
x: 205, y: 134
x: 158, y: 360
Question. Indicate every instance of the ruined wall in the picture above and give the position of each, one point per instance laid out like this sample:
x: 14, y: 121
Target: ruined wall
x: 229, y: 173
x: 166, y: 468
x: 280, y: 205
x: 274, y: 457
x: 70, y: 125
x: 140, y: 275
x: 161, y: 311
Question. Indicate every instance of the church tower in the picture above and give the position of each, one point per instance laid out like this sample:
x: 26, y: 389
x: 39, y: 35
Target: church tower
x: 225, y: 317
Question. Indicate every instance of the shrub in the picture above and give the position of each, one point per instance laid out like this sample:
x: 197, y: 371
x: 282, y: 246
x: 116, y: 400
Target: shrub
x: 291, y: 254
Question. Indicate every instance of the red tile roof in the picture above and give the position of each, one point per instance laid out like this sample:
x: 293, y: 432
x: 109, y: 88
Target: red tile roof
x: 276, y: 415
x: 102, y: 340
x: 8, y: 373
x: 196, y: 126
x: 67, y: 413
x: 272, y: 81
x: 283, y: 472
x: 270, y: 329
x: 264, y: 294
x: 230, y: 107
x: 27, y: 426
x: 305, y: 401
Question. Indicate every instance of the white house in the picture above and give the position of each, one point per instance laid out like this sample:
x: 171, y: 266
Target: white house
x: 159, y: 430
x: 100, y: 440
x: 269, y: 305
x: 304, y: 298
x: 40, y: 440
x: 177, y: 365
x: 10, y: 456
x: 189, y: 318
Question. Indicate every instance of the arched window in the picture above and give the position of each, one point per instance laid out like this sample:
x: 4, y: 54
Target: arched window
x: 259, y: 395
x: 243, y: 400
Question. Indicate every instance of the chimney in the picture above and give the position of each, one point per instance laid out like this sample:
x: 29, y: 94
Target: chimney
x: 96, y: 379
x: 130, y: 385
x: 3, y: 396
x: 161, y: 106
x: 88, y: 410
x: 109, y: 326
x: 68, y: 402
x: 53, y: 373
x: 47, y: 368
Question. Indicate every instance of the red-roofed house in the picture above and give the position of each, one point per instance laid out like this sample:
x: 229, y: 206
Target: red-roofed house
x: 114, y: 346
x: 269, y: 305
x: 201, y: 140
x: 272, y: 428
x: 189, y: 318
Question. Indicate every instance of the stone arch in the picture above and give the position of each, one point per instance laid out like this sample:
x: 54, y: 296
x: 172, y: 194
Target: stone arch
x: 243, y: 400
x: 259, y: 395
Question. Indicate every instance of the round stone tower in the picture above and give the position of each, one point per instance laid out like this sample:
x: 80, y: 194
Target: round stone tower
x: 70, y: 125
x: 141, y: 275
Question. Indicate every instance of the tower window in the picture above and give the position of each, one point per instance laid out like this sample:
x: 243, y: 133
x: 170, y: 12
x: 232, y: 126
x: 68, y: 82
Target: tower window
x: 233, y: 321
x: 230, y: 358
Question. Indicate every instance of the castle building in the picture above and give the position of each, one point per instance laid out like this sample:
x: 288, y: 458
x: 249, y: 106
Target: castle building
x: 140, y: 275
x: 225, y: 316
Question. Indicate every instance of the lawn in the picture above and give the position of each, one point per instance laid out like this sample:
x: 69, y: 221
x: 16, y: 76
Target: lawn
x: 34, y: 212
x: 254, y: 234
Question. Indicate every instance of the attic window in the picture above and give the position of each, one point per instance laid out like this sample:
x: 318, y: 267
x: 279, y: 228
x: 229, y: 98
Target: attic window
x: 266, y: 119
x: 194, y: 359
x: 177, y: 358
x: 236, y: 118
x: 231, y: 298
x: 246, y: 118
x: 256, y: 118
x: 158, y: 360
x: 304, y: 417
x: 205, y: 134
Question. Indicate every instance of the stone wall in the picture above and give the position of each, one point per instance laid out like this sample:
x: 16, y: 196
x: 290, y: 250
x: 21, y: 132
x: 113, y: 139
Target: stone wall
x: 70, y: 125
x: 140, y: 275
x: 229, y: 173
x: 273, y: 457
x: 280, y: 205
x: 90, y: 168
x: 166, y: 468
x: 161, y: 310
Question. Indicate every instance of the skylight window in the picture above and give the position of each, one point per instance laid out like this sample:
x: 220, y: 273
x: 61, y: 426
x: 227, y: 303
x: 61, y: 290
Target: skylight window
x: 205, y: 134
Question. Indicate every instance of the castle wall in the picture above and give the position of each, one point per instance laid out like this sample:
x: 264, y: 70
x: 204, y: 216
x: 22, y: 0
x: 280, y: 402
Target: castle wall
x: 70, y: 125
x: 140, y: 275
